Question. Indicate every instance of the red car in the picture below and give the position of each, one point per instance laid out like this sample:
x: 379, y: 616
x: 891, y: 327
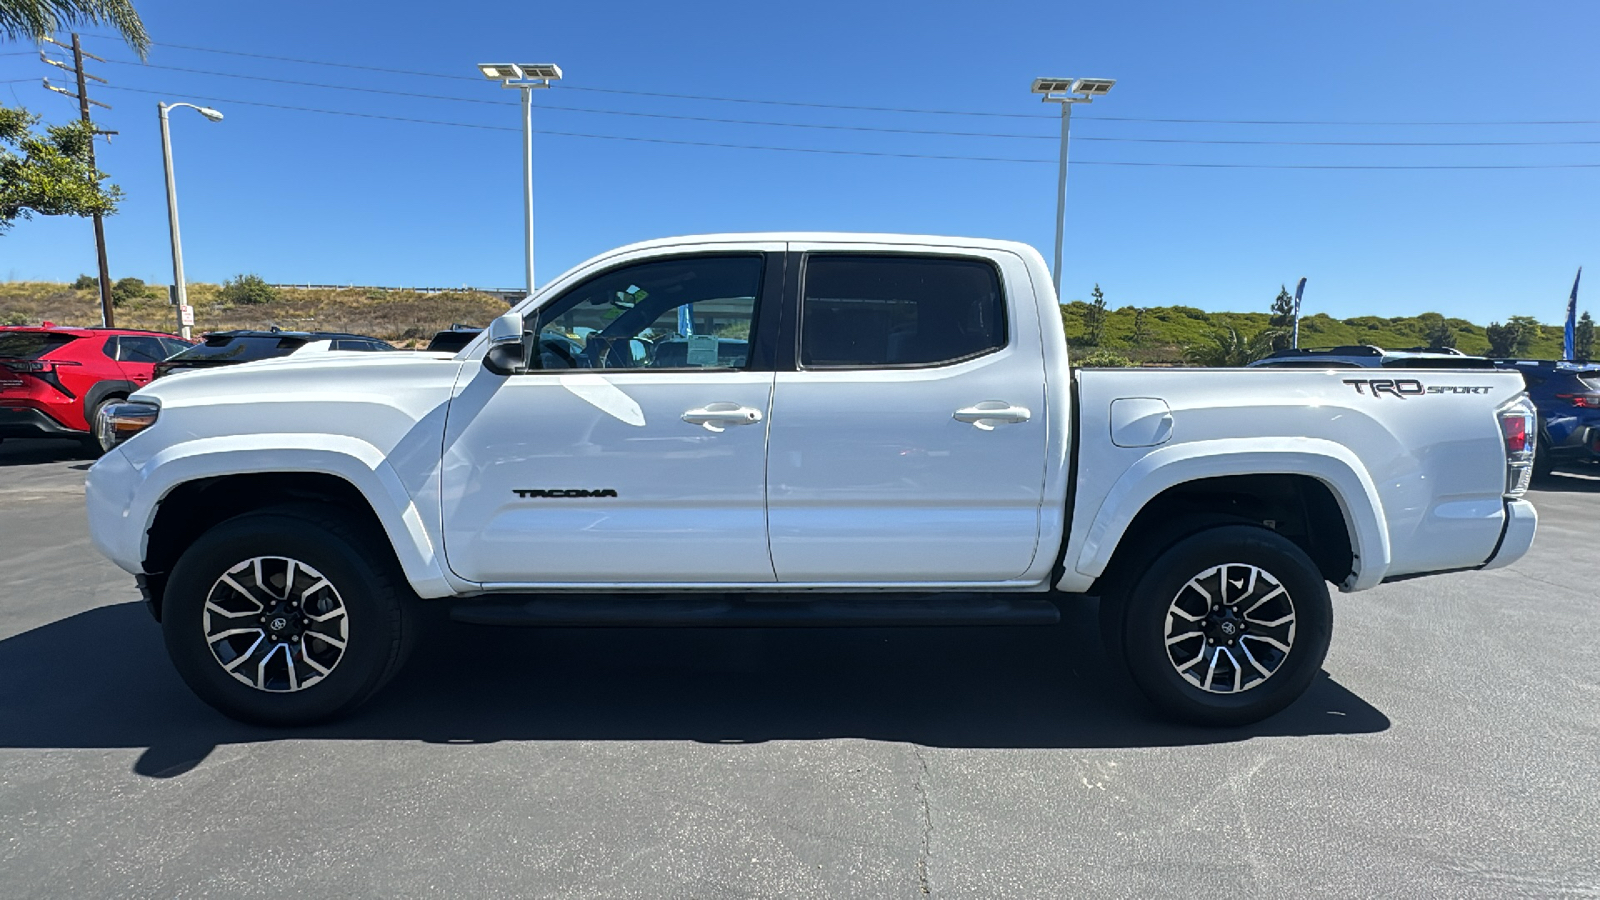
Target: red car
x: 53, y: 380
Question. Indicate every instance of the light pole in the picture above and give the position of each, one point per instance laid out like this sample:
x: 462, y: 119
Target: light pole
x: 526, y: 77
x: 1067, y: 91
x: 172, y: 206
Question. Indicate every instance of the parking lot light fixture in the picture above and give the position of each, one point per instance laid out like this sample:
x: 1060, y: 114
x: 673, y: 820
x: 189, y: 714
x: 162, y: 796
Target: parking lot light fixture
x: 526, y: 77
x: 1067, y: 91
x: 178, y: 287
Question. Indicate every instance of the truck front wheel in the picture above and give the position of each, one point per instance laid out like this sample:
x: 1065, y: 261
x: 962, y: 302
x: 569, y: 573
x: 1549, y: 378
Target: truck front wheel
x: 1226, y: 627
x: 286, y: 616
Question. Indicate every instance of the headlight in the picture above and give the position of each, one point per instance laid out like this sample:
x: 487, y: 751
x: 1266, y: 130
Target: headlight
x: 119, y: 421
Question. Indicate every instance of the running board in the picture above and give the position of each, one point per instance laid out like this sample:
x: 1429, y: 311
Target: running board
x: 755, y: 610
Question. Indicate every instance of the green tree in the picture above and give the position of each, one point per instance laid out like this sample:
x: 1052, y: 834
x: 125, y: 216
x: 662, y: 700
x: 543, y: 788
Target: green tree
x: 126, y: 289
x: 49, y: 174
x: 1282, y: 317
x: 1094, y: 320
x: 1583, y: 339
x: 86, y: 283
x: 1227, y: 347
x: 1502, y: 338
x: 1104, y: 359
x: 248, y: 290
x: 34, y: 20
x: 1528, y: 329
x: 1140, y: 332
x: 1438, y: 333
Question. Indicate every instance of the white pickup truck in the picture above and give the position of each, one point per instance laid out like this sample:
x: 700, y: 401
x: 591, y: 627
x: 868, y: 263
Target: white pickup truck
x: 792, y: 429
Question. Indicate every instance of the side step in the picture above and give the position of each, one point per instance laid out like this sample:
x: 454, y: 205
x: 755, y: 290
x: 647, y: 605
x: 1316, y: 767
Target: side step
x: 755, y: 610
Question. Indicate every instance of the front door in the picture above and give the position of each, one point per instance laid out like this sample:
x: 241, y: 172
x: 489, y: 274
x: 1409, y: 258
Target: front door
x: 909, y: 444
x: 634, y: 450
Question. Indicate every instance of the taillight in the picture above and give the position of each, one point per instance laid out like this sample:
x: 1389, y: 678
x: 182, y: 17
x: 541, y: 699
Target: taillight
x: 1516, y: 432
x: 1518, y: 425
x: 34, y: 366
x: 1582, y: 401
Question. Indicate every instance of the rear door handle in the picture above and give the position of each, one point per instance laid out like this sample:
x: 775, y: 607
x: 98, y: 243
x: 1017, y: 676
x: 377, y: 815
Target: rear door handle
x: 718, y: 416
x: 989, y: 413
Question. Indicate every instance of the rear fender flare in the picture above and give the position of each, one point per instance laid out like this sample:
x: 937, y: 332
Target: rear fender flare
x: 1332, y: 464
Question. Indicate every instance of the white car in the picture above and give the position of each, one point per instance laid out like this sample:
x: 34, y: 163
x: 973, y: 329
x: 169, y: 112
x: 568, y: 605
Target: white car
x: 850, y: 429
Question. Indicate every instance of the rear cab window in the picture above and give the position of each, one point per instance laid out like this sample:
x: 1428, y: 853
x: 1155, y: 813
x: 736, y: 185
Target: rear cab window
x: 31, y: 344
x: 898, y: 311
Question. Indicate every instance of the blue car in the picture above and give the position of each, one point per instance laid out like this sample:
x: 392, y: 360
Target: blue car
x: 1567, y: 396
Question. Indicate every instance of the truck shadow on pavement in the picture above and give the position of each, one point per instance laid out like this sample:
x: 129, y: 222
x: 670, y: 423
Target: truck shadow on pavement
x: 33, y: 451
x: 101, y: 679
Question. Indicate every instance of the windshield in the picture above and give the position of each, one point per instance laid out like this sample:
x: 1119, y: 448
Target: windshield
x: 31, y: 344
x: 231, y: 348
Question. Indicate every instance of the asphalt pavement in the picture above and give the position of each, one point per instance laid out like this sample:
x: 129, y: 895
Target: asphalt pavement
x: 1451, y: 749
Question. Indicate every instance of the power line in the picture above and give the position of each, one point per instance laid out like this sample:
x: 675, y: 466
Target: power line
x: 892, y: 109
x: 833, y: 152
x: 865, y: 128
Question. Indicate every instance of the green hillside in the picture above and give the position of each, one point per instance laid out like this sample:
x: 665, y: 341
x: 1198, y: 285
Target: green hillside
x: 1169, y: 329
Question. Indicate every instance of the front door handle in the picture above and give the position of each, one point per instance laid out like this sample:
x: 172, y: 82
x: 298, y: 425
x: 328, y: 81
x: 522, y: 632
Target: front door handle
x: 989, y: 413
x: 718, y: 416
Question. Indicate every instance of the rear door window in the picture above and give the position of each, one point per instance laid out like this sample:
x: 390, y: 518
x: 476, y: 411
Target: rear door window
x: 31, y: 344
x: 140, y: 349
x: 897, y: 311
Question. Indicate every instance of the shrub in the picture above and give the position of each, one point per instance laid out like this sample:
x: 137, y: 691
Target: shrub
x: 127, y: 289
x: 1104, y: 359
x: 248, y: 289
x: 86, y: 283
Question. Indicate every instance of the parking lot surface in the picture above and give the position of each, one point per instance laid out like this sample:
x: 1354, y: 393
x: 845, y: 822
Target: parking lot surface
x: 1452, y: 749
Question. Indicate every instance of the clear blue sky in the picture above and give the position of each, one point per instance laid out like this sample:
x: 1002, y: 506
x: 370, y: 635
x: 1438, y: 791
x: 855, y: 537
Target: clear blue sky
x: 304, y: 196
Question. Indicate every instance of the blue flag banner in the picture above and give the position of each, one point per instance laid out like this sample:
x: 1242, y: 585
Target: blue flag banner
x: 1572, y: 318
x: 1298, y: 290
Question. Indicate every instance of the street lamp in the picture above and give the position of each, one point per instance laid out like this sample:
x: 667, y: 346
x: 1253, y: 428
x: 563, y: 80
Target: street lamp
x: 172, y: 206
x: 526, y: 77
x: 1067, y: 91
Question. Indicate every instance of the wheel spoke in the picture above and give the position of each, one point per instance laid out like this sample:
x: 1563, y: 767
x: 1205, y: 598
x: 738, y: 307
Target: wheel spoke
x: 1269, y: 596
x: 327, y: 639
x: 1268, y: 641
x: 226, y: 614
x: 1274, y: 623
x: 1211, y: 671
x: 244, y: 592
x: 1253, y: 661
x: 261, y: 636
x: 1184, y: 637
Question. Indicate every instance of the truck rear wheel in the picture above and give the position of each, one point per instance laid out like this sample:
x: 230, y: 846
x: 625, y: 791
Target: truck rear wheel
x: 1226, y: 627
x: 288, y: 616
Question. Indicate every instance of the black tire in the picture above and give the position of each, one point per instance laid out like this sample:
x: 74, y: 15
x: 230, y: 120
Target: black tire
x: 379, y: 618
x: 1139, y: 615
x: 91, y: 442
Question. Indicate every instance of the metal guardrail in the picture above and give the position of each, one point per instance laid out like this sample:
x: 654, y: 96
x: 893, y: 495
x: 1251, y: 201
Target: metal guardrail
x: 510, y: 295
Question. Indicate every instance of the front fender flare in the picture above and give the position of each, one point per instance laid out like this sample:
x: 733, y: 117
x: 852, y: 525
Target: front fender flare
x: 361, y: 464
x: 1332, y: 464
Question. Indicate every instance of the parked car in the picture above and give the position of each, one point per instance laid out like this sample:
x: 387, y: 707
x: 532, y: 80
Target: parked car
x: 54, y: 379
x: 901, y: 441
x: 1365, y: 355
x: 1567, y: 397
x: 227, y: 348
x: 452, y: 339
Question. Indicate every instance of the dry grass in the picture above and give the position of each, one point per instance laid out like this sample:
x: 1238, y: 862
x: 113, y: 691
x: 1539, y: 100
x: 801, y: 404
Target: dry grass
x: 400, y: 317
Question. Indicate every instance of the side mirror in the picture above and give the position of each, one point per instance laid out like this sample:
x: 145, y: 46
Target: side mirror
x: 506, y: 354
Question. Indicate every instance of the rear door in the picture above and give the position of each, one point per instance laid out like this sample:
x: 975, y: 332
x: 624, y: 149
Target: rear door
x: 136, y: 355
x: 636, y: 452
x: 909, y: 442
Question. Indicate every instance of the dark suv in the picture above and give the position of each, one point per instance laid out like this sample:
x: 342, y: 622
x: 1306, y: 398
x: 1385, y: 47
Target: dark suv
x: 227, y: 348
x: 53, y: 379
x: 1363, y: 355
x: 1567, y: 396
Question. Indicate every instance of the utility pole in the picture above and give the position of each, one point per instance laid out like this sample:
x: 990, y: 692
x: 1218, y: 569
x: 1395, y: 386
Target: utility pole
x: 107, y: 312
